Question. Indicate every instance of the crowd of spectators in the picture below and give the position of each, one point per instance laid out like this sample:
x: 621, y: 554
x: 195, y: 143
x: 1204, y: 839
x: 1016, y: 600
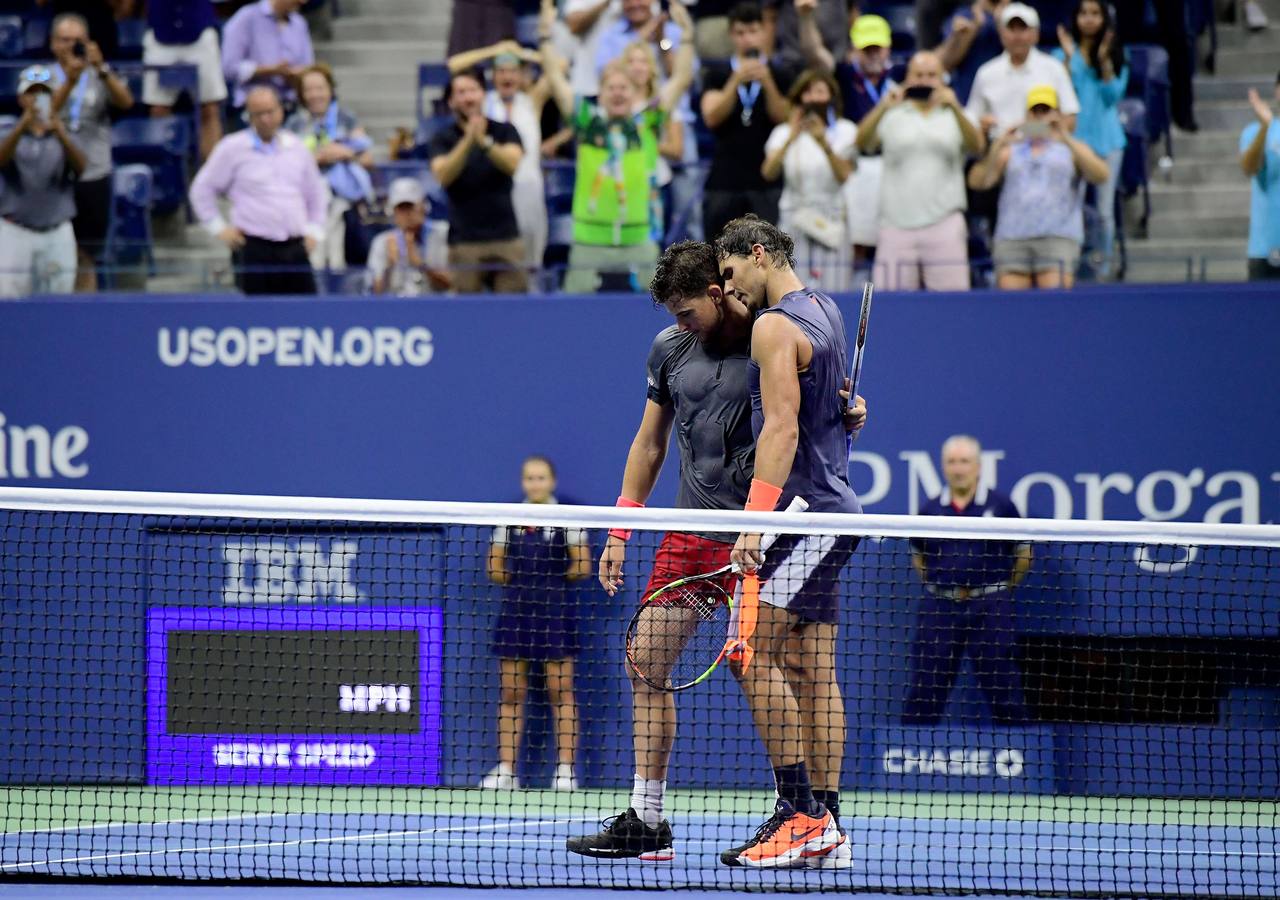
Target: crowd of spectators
x: 676, y: 120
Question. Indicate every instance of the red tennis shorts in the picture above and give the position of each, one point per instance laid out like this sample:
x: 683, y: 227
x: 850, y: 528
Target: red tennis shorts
x: 681, y: 555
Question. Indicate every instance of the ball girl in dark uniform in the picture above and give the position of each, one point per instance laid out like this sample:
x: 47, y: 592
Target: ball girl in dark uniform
x: 536, y: 624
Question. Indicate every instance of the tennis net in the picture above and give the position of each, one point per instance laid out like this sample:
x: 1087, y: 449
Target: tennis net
x: 227, y: 688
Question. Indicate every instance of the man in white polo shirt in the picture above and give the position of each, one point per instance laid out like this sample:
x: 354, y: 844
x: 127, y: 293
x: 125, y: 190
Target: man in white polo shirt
x: 998, y: 99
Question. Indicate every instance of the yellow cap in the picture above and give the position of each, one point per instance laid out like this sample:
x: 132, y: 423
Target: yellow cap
x: 870, y: 31
x: 1042, y: 95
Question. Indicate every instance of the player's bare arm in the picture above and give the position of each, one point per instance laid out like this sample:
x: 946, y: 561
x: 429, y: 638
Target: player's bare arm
x: 644, y: 462
x: 781, y: 350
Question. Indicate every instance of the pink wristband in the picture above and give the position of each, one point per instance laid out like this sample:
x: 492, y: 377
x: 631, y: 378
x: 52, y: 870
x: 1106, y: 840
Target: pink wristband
x: 624, y: 534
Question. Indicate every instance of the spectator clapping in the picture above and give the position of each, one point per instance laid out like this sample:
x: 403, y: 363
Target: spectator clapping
x: 1099, y: 73
x: 1260, y: 160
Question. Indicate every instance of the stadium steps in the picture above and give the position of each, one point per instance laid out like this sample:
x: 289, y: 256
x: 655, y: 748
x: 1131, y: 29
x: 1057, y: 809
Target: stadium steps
x: 376, y: 48
x: 1200, y: 204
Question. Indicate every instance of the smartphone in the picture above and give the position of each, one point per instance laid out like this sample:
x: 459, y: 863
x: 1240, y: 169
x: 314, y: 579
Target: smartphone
x: 79, y: 50
x: 753, y: 53
x: 918, y: 92
x: 816, y: 109
x: 1035, y: 129
x: 44, y: 106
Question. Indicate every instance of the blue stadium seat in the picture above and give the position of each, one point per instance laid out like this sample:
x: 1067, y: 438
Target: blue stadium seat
x: 385, y: 173
x: 129, y: 227
x: 129, y: 33
x: 902, y: 23
x: 1149, y: 80
x: 35, y: 38
x: 9, y: 87
x: 161, y: 144
x: 10, y: 37
x: 431, y: 76
x: 1134, y: 174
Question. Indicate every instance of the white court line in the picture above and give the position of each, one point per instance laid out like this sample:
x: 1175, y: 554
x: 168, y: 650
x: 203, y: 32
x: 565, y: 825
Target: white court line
x: 262, y: 845
x: 195, y: 820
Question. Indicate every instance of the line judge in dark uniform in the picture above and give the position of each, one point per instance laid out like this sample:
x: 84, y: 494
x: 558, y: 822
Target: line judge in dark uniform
x: 968, y: 602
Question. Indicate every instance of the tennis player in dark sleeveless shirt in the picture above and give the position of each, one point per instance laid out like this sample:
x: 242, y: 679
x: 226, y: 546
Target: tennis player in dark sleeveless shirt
x: 799, y: 357
x: 698, y: 382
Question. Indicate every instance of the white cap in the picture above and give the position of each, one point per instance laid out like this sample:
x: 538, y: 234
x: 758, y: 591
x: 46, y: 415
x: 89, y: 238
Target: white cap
x: 405, y: 190
x: 1020, y: 11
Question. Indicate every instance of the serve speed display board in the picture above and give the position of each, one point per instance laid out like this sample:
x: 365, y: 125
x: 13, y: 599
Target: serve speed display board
x: 293, y: 696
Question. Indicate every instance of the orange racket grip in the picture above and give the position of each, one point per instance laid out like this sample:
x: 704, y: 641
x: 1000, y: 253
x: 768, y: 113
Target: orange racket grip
x: 741, y: 651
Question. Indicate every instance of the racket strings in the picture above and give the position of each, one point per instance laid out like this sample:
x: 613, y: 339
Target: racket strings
x: 677, y: 638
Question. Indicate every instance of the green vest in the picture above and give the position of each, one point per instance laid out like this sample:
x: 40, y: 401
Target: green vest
x: 615, y: 193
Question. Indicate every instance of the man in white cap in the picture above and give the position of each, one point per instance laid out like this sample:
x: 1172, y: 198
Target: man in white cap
x: 998, y: 99
x: 39, y: 165
x: 409, y: 259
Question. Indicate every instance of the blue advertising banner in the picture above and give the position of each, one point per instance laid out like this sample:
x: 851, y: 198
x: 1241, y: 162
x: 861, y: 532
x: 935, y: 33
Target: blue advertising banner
x: 1119, y: 403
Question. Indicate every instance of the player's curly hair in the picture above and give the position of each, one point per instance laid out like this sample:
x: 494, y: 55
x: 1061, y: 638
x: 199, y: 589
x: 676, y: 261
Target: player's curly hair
x: 685, y: 270
x: 741, y: 234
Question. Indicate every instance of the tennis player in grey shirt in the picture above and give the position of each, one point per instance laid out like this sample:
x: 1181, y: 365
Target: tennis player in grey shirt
x: 39, y: 164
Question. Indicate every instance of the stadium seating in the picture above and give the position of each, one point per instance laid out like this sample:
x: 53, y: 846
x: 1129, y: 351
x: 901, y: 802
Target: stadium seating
x: 129, y: 227
x: 35, y: 38
x: 162, y: 144
x: 10, y: 37
x: 1149, y: 80
x: 431, y: 76
x: 130, y: 33
x: 1134, y: 172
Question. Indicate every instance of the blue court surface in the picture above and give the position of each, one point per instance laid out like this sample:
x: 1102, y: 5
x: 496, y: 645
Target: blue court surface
x: 894, y: 854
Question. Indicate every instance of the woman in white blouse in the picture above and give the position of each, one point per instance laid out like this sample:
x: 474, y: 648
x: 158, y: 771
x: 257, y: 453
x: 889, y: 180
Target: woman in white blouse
x: 813, y: 153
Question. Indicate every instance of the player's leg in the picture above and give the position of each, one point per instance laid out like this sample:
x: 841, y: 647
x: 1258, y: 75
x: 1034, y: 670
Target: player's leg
x: 564, y: 714
x: 811, y: 672
x: 799, y: 823
x: 641, y: 831
x: 513, y: 686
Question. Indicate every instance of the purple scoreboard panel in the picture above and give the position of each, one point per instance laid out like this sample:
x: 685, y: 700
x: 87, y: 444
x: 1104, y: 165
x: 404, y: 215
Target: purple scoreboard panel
x: 335, y: 696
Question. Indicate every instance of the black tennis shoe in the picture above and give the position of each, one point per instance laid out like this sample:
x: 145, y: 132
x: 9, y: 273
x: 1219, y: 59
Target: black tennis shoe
x: 626, y: 836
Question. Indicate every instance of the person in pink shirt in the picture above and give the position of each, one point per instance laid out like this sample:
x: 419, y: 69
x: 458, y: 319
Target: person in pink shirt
x: 278, y: 200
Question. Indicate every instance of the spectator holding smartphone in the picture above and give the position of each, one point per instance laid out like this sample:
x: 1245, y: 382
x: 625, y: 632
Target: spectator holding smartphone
x: 86, y: 89
x: 1099, y: 72
x: 39, y: 164
x: 1000, y: 86
x: 924, y: 136
x: 742, y: 100
x: 1040, y: 224
x: 813, y: 154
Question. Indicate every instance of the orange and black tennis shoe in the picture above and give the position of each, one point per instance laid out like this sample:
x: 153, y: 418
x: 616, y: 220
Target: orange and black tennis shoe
x: 787, y: 838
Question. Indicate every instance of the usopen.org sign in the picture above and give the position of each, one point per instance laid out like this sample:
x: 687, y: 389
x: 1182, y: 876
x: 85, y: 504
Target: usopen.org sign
x: 271, y: 570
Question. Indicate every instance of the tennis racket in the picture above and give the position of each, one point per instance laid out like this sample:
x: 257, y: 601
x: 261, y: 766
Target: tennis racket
x: 678, y: 636
x: 859, y: 345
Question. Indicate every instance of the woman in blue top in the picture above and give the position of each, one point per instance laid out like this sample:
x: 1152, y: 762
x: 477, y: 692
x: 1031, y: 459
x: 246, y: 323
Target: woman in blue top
x: 1099, y: 72
x: 537, y: 623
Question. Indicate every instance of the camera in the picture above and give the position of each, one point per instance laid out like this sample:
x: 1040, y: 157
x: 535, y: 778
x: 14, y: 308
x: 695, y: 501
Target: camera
x: 80, y: 50
x: 918, y: 92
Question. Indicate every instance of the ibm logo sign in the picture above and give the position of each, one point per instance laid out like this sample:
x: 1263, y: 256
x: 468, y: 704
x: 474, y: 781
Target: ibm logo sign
x: 288, y: 570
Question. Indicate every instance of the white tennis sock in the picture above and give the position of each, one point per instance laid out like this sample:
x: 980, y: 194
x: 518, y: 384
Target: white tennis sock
x: 646, y: 799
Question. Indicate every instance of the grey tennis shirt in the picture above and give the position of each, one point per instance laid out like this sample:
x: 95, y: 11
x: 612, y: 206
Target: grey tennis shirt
x: 38, y: 184
x: 711, y: 396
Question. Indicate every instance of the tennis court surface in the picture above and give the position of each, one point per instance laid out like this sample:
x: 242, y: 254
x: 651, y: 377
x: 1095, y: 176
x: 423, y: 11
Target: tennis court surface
x: 901, y: 843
